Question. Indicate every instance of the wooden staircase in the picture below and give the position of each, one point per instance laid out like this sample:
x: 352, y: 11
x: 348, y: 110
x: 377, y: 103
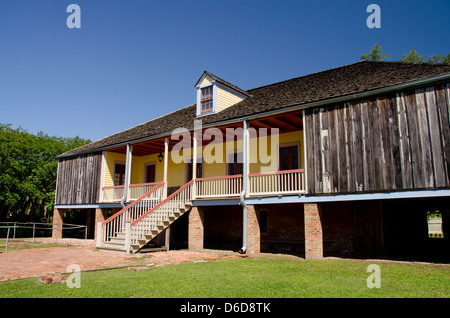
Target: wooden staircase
x: 160, y: 227
x: 139, y: 223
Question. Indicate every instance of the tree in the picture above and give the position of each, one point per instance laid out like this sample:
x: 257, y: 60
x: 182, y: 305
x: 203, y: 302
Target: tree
x: 440, y: 58
x: 413, y: 57
x: 376, y: 54
x: 28, y: 168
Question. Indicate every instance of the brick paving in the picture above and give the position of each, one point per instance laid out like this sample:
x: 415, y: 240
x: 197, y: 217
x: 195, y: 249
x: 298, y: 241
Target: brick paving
x: 38, y: 262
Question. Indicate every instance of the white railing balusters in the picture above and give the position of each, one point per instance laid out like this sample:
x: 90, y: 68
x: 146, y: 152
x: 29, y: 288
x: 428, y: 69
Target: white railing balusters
x: 161, y: 212
x: 218, y: 186
x: 276, y: 183
x: 115, y: 193
x: 116, y: 223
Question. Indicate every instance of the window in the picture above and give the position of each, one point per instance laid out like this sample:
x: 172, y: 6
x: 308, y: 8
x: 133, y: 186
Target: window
x: 206, y: 99
x: 288, y: 157
x: 434, y: 220
x: 119, y: 174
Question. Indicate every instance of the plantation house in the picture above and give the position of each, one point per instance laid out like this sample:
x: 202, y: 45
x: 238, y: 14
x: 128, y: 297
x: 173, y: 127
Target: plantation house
x: 344, y: 162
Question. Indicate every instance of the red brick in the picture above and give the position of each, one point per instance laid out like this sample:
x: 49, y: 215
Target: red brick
x: 313, y: 231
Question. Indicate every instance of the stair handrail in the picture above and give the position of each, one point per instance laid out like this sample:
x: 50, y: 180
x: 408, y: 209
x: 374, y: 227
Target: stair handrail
x: 117, y: 222
x: 163, y: 202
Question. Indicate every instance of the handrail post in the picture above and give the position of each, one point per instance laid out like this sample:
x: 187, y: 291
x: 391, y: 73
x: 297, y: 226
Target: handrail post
x: 127, y: 236
x: 99, y: 232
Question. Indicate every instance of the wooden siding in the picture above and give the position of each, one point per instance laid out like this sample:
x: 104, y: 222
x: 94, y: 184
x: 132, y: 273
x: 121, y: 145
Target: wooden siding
x: 395, y: 142
x: 78, y: 180
x: 226, y: 98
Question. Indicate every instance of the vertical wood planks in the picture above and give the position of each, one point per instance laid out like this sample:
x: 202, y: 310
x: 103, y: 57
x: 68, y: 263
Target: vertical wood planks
x: 78, y: 180
x: 395, y: 142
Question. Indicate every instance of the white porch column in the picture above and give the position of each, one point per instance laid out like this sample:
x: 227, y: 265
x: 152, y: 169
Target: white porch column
x: 126, y: 186
x: 245, y: 158
x: 305, y: 154
x: 166, y: 161
x: 194, y: 163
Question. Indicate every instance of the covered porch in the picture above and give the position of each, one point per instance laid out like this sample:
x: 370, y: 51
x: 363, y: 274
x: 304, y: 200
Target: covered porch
x: 221, y: 165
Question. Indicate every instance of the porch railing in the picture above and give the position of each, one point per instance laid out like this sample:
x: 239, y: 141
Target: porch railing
x: 112, y: 194
x: 275, y: 183
x: 260, y: 184
x: 115, y: 193
x: 132, y: 212
x: 218, y: 186
x: 138, y: 190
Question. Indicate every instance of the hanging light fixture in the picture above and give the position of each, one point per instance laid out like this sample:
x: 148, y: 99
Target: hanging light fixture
x: 160, y: 157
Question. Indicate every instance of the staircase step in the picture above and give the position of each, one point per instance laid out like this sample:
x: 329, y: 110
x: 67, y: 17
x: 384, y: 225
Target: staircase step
x: 112, y: 247
x: 149, y: 237
x: 117, y: 240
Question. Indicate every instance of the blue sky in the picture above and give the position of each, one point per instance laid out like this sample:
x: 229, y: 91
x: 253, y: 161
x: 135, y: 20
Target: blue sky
x: 134, y: 60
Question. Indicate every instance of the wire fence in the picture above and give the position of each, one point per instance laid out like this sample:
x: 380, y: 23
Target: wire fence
x: 12, y: 229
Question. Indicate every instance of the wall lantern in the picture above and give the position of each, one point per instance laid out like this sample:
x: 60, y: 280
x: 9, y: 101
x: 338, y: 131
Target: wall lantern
x: 160, y: 157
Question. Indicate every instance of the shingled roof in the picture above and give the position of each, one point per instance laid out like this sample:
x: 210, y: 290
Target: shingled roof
x: 360, y: 77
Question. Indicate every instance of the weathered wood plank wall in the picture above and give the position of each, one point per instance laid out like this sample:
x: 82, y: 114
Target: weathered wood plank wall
x: 78, y: 180
x: 396, y: 142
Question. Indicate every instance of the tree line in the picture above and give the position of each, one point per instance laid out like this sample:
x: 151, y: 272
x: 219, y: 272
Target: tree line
x: 28, y: 168
x: 377, y: 54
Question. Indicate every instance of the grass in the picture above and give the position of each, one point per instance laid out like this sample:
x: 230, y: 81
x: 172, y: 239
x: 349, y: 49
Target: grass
x: 254, y: 277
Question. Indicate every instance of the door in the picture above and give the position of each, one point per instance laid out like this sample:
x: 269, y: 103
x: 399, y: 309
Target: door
x: 288, y: 158
x: 150, y: 173
x: 189, y: 171
x: 234, y: 167
x: 119, y: 174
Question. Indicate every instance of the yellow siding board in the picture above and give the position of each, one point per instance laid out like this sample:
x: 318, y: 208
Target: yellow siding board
x: 111, y: 157
x: 206, y: 80
x: 226, y: 99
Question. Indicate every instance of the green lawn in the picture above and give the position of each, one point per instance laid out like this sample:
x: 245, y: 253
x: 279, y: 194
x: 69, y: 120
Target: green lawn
x: 254, y: 277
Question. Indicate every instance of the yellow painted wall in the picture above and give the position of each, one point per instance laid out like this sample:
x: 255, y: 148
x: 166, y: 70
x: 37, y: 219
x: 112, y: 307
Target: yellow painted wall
x: 259, y: 147
x: 206, y: 80
x: 177, y: 172
x: 226, y: 99
x: 111, y: 157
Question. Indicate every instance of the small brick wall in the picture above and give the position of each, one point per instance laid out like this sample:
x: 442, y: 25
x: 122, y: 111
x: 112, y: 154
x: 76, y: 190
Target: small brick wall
x: 253, y: 231
x: 313, y: 231
x: 58, y: 216
x: 196, y: 229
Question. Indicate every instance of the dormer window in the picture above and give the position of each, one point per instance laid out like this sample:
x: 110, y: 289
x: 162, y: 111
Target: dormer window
x: 206, y: 99
x: 215, y: 95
